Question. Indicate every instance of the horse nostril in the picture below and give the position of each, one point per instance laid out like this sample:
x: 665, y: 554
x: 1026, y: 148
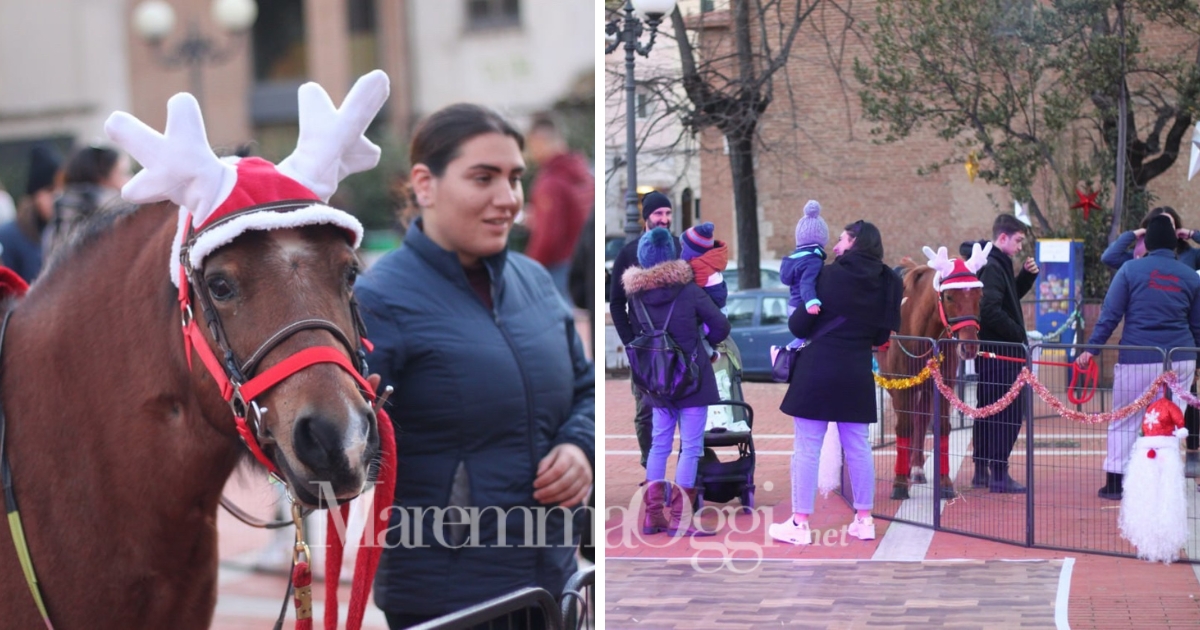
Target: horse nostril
x: 317, y: 442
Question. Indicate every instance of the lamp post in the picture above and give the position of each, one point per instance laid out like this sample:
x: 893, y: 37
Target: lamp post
x: 154, y: 19
x: 629, y: 30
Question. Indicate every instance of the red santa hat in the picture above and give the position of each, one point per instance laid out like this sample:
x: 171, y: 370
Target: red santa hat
x: 215, y: 193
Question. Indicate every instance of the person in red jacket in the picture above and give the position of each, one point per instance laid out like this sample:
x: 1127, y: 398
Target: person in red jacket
x: 561, y: 200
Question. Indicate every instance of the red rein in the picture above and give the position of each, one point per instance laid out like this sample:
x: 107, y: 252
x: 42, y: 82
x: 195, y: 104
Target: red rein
x: 1078, y: 393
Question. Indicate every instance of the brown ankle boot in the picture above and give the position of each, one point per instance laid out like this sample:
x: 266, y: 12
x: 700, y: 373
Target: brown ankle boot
x: 654, y: 520
x: 678, y: 495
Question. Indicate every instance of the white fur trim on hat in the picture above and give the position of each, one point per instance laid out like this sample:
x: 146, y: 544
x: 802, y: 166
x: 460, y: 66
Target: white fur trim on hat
x: 221, y: 235
x: 315, y: 214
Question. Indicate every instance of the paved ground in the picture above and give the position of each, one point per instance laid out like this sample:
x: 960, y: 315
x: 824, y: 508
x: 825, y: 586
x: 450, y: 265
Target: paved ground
x: 739, y: 578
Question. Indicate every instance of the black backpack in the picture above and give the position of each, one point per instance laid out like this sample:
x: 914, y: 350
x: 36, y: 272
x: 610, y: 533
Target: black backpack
x: 658, y: 366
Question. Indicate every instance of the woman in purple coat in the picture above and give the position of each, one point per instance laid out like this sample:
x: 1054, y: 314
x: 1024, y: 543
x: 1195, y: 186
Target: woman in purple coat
x: 663, y: 294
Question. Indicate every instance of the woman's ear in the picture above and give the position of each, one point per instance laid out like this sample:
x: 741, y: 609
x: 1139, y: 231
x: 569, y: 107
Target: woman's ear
x: 424, y: 185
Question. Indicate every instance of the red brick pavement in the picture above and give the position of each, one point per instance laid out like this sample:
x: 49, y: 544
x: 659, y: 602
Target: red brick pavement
x: 1105, y: 591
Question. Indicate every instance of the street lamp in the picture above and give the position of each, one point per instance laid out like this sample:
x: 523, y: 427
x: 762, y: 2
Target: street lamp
x: 629, y: 30
x: 154, y: 19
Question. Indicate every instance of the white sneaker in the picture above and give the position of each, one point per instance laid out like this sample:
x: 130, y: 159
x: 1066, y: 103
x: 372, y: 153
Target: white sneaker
x: 863, y: 528
x: 791, y: 533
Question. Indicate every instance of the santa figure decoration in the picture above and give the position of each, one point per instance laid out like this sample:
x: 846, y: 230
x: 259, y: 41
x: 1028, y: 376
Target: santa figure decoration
x: 1154, y: 504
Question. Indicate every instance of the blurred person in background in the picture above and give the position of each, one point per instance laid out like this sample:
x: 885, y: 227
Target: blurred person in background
x: 494, y: 401
x: 8, y: 207
x: 92, y: 180
x: 560, y: 200
x: 21, y: 238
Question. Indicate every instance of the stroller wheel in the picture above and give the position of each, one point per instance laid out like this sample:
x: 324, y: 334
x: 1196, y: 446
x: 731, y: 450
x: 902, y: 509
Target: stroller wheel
x: 748, y: 499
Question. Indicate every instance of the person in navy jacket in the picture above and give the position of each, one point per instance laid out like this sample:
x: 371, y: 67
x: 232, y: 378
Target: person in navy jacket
x: 494, y: 401
x: 1159, y: 299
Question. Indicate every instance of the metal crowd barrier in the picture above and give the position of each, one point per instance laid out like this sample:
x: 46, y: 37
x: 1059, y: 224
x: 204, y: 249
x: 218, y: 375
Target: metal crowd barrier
x: 529, y: 609
x: 1059, y: 460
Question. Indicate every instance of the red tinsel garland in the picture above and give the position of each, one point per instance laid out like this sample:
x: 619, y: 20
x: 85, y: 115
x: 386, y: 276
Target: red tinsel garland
x: 1169, y: 378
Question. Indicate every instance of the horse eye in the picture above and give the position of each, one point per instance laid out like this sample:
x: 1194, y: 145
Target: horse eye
x: 351, y: 276
x: 220, y: 288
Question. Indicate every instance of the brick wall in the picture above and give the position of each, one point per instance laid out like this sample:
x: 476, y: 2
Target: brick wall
x: 821, y: 149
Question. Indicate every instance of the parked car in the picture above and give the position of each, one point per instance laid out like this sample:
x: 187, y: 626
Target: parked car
x: 768, y: 275
x: 758, y: 320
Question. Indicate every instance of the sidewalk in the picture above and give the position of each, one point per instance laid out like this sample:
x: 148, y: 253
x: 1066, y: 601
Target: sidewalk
x: 252, y: 577
x: 752, y: 572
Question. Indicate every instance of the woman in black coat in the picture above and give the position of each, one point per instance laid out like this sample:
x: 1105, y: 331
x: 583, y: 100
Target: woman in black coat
x: 832, y: 381
x: 666, y: 288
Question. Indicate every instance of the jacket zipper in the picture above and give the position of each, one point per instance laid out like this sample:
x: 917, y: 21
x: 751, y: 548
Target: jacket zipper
x: 529, y: 414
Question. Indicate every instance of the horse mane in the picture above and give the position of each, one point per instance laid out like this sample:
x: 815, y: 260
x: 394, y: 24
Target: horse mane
x: 88, y: 231
x: 920, y: 299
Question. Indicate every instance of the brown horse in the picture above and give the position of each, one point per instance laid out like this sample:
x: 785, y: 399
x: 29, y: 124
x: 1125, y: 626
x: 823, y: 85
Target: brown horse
x: 119, y: 451
x: 941, y: 300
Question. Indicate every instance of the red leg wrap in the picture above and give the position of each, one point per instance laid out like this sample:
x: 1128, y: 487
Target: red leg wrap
x: 944, y: 454
x: 902, y: 455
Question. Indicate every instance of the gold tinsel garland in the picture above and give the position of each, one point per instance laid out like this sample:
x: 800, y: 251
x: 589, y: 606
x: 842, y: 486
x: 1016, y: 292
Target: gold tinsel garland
x: 905, y: 383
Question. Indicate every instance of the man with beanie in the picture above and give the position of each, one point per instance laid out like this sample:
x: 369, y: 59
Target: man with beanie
x: 656, y: 213
x: 21, y: 238
x: 1159, y: 299
x: 708, y: 258
x: 1001, y: 319
x: 800, y: 269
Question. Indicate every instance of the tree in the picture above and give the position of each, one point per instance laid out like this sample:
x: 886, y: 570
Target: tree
x: 1036, y: 91
x: 729, y: 88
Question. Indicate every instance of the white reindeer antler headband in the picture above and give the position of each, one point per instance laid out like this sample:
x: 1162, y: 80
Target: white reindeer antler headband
x: 180, y: 167
x: 953, y: 273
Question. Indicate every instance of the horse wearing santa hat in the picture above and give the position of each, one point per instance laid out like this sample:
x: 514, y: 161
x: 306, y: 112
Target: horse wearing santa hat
x: 941, y: 301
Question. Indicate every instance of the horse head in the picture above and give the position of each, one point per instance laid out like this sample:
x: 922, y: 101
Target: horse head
x: 268, y: 268
x: 959, y: 292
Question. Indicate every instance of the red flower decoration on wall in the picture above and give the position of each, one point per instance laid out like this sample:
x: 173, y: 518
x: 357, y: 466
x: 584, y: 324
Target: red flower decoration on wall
x: 1086, y: 202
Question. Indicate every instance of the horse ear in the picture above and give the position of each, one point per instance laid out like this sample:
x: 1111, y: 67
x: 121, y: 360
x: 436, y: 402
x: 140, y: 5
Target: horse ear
x: 178, y: 166
x: 331, y: 144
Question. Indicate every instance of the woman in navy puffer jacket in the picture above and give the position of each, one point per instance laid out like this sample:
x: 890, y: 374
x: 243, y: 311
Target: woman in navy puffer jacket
x: 494, y: 401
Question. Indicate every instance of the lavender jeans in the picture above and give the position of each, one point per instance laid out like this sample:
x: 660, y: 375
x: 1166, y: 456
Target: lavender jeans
x: 806, y: 458
x: 691, y: 436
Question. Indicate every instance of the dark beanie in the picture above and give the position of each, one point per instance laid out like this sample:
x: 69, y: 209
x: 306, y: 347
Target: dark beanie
x: 43, y: 167
x: 656, y: 246
x: 1160, y: 234
x: 653, y: 201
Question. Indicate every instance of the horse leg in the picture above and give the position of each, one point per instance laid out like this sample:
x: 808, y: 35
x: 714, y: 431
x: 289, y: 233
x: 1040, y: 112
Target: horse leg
x: 902, y: 402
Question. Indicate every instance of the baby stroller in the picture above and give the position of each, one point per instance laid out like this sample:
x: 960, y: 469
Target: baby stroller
x: 730, y: 423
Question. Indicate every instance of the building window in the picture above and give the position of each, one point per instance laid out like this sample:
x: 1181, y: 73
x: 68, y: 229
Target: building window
x: 644, y: 104
x: 279, y: 43
x: 493, y: 14
x: 364, y: 46
x: 706, y: 6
